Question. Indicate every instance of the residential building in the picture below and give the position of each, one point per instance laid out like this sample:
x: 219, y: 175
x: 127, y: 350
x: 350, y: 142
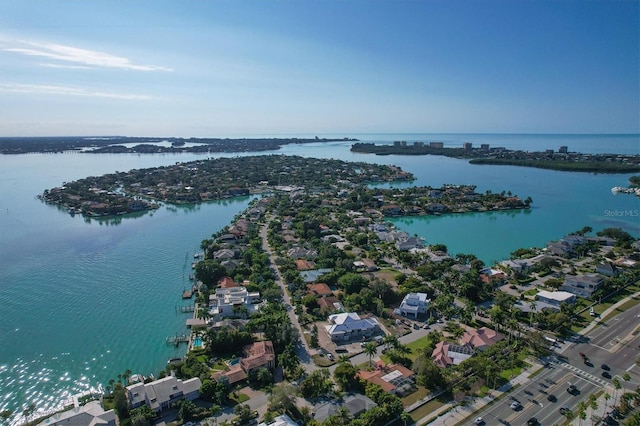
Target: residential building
x: 232, y: 375
x: 582, y: 285
x: 259, y: 355
x: 349, y: 326
x: 413, y: 304
x: 555, y: 298
x: 160, y: 394
x: 233, y: 301
x: 319, y: 289
x: 302, y: 253
x: 356, y: 404
x: 392, y: 378
x: 446, y: 354
x: 480, y: 338
x: 90, y: 414
x: 566, y: 246
x: 606, y: 268
x: 330, y: 304
x: 281, y: 420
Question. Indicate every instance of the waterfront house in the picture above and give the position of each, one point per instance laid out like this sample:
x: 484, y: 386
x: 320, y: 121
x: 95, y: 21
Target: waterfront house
x: 582, y: 285
x: 447, y: 354
x: 233, y: 301
x: 91, y: 414
x: 161, y: 393
x: 232, y: 375
x: 349, y: 326
x: 413, y: 304
x: 566, y: 246
x: 392, y: 378
x: 480, y: 338
x: 409, y: 243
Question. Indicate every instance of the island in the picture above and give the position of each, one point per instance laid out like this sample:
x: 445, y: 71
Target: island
x: 148, y: 145
x: 562, y: 160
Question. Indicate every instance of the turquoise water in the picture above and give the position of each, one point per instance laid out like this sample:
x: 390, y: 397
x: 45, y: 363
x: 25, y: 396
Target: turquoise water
x: 81, y: 300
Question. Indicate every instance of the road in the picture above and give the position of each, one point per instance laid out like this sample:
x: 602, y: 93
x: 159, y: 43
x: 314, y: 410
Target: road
x: 302, y: 349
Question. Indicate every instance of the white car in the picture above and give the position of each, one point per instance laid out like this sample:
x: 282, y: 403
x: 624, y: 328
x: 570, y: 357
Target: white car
x: 515, y: 405
x: 479, y: 421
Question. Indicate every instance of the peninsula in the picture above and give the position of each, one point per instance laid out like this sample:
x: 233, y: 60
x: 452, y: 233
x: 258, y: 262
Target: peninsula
x: 562, y: 160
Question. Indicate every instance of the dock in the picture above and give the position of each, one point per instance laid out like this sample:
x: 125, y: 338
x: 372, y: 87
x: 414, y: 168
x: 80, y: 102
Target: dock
x: 187, y: 294
x: 190, y: 308
x: 177, y: 339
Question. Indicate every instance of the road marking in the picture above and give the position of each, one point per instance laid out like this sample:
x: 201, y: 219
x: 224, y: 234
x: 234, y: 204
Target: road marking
x: 630, y: 368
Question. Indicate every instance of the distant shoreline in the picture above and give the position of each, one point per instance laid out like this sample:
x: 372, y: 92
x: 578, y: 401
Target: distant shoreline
x: 562, y: 160
x: 149, y: 145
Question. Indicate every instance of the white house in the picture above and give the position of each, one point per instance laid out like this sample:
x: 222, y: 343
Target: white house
x: 582, y: 285
x: 226, y: 301
x: 91, y: 414
x: 349, y: 326
x: 414, y: 304
x: 555, y: 297
x: 160, y: 394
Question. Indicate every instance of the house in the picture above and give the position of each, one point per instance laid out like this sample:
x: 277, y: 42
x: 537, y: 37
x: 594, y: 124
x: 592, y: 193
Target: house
x: 606, y: 268
x: 161, y: 393
x: 281, y: 420
x: 392, y: 378
x: 582, y: 285
x: 348, y: 326
x: 555, y: 298
x: 302, y: 253
x: 319, y: 289
x: 355, y: 404
x: 90, y: 414
x: 517, y: 265
x: 226, y: 282
x: 258, y: 355
x: 446, y: 354
x: 391, y: 210
x: 224, y: 254
x: 314, y: 275
x: 365, y: 265
x: 413, y: 304
x: 566, y: 246
x: 233, y: 301
x: 481, y: 338
x: 489, y: 275
x: 234, y: 374
x: 330, y: 304
x: 409, y: 243
x: 304, y: 265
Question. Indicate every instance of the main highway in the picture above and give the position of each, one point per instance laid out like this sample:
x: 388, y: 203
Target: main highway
x: 613, y: 344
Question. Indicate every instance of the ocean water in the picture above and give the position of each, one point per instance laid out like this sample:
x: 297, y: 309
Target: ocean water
x: 83, y: 300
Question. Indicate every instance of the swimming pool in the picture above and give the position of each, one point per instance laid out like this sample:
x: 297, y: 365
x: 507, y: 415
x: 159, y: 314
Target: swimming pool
x: 197, y: 343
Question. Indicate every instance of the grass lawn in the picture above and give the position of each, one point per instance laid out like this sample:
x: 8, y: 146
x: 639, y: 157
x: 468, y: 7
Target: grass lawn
x: 239, y: 399
x: 420, y: 393
x: 426, y: 409
x: 415, y: 347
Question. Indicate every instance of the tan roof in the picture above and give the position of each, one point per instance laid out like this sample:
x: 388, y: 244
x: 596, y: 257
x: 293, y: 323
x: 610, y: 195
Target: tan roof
x: 319, y: 289
x: 481, y: 337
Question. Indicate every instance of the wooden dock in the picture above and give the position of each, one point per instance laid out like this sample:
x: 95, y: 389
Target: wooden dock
x: 177, y: 339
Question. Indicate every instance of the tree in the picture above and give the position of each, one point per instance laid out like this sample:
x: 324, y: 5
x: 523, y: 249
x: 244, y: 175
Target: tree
x: 243, y: 411
x: 344, y: 375
x: 142, y: 416
x: 371, y: 349
x: 120, y: 401
x: 283, y: 397
x: 186, y: 410
x: 210, y: 272
x: 5, y: 414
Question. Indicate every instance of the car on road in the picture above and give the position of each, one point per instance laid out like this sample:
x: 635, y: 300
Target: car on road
x: 572, y: 389
x: 515, y: 405
x: 533, y: 422
x: 606, y: 374
x: 564, y: 409
x: 479, y: 421
x: 551, y: 397
x: 605, y: 367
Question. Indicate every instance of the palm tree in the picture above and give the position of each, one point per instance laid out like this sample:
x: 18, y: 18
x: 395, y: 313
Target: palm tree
x: 390, y: 341
x: 533, y: 308
x: 371, y: 349
x: 616, y: 387
x: 607, y: 397
x: 593, y: 404
x: 405, y: 417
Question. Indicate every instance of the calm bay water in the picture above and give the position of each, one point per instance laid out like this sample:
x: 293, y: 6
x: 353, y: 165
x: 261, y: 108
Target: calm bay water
x: 82, y: 300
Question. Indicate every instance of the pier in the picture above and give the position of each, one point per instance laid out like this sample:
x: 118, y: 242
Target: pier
x: 190, y: 308
x: 177, y: 339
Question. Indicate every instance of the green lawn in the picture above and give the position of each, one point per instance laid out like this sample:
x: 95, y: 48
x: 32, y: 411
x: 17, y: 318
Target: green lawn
x: 415, y: 347
x: 420, y: 393
x: 426, y: 409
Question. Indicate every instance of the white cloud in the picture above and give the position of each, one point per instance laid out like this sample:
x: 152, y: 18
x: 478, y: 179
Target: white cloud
x: 44, y: 89
x: 91, y: 58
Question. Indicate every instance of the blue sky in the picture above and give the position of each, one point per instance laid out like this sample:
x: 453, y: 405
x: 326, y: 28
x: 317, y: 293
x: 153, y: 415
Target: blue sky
x: 247, y: 68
